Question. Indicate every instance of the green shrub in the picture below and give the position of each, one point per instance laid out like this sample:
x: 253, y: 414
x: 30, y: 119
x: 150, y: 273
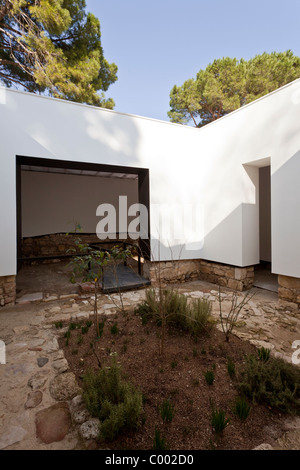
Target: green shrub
x: 231, y: 368
x: 67, y: 334
x: 275, y: 383
x: 100, y: 328
x: 264, y: 354
x: 117, y: 403
x: 174, y: 364
x: 218, y: 420
x: 167, y: 411
x: 209, y: 377
x: 242, y: 408
x: 159, y: 442
x: 176, y: 310
x: 114, y: 329
x: 198, y: 315
x: 58, y: 324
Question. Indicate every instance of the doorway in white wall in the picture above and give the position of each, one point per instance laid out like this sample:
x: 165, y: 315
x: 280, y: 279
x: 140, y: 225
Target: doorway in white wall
x: 54, y: 197
x: 264, y: 278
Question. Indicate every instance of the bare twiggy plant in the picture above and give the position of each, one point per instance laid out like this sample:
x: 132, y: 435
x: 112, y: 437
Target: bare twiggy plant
x: 228, y: 322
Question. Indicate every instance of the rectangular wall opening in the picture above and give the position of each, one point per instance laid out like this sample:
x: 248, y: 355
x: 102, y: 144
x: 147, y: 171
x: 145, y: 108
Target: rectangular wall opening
x: 264, y: 278
x: 53, y: 197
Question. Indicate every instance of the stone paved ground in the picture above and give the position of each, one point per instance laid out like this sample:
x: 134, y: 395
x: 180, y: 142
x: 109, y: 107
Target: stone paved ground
x: 38, y: 409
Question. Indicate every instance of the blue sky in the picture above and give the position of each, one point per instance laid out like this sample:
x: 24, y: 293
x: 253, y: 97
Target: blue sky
x: 160, y: 43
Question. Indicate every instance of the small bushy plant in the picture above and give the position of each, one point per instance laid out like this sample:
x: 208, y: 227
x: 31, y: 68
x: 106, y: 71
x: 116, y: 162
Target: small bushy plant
x: 114, y: 329
x: 242, y: 408
x: 170, y: 308
x: 209, y: 377
x: 218, y: 420
x: 167, y: 411
x: 117, y: 403
x: 159, y: 442
x: 274, y: 382
x: 197, y: 316
x: 231, y: 368
x: 264, y: 354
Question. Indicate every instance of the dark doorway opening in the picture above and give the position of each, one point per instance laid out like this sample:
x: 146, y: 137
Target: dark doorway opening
x: 129, y: 278
x: 263, y: 276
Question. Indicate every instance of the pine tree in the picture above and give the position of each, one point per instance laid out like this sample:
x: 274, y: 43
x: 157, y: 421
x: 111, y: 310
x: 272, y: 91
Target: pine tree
x: 54, y: 47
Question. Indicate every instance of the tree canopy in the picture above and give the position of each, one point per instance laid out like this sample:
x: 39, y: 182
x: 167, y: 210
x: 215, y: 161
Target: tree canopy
x: 228, y: 84
x: 54, y: 47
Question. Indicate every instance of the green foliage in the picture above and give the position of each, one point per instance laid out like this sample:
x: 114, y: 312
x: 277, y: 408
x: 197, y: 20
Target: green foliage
x: 174, y: 364
x: 54, y: 47
x: 159, y: 442
x: 88, y: 265
x: 79, y: 339
x: 209, y: 377
x: 100, y: 328
x: 275, y: 383
x: 231, y: 368
x: 242, y: 408
x: 227, y: 84
x: 167, y: 411
x: 114, y: 329
x: 72, y: 326
x: 58, y: 324
x: 264, y: 354
x: 67, y: 334
x: 175, y: 309
x: 218, y: 420
x: 170, y: 308
x: 198, y: 315
x: 117, y: 403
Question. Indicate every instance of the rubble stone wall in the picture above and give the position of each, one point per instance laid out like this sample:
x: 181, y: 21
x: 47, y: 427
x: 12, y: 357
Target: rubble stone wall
x: 7, y: 290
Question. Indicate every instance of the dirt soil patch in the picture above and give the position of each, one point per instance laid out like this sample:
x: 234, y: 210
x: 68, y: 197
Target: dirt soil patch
x: 177, y: 376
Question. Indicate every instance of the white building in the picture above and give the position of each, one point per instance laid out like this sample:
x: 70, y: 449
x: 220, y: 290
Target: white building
x: 239, y: 175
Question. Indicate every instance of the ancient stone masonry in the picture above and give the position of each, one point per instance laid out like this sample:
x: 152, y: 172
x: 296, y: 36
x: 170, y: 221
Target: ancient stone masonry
x: 57, y: 245
x: 227, y: 276
x: 186, y: 270
x: 172, y: 271
x: 7, y: 290
x: 289, y: 288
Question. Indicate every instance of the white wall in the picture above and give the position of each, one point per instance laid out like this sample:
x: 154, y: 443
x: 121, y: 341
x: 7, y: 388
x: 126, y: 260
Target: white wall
x: 53, y: 203
x: 214, y: 169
